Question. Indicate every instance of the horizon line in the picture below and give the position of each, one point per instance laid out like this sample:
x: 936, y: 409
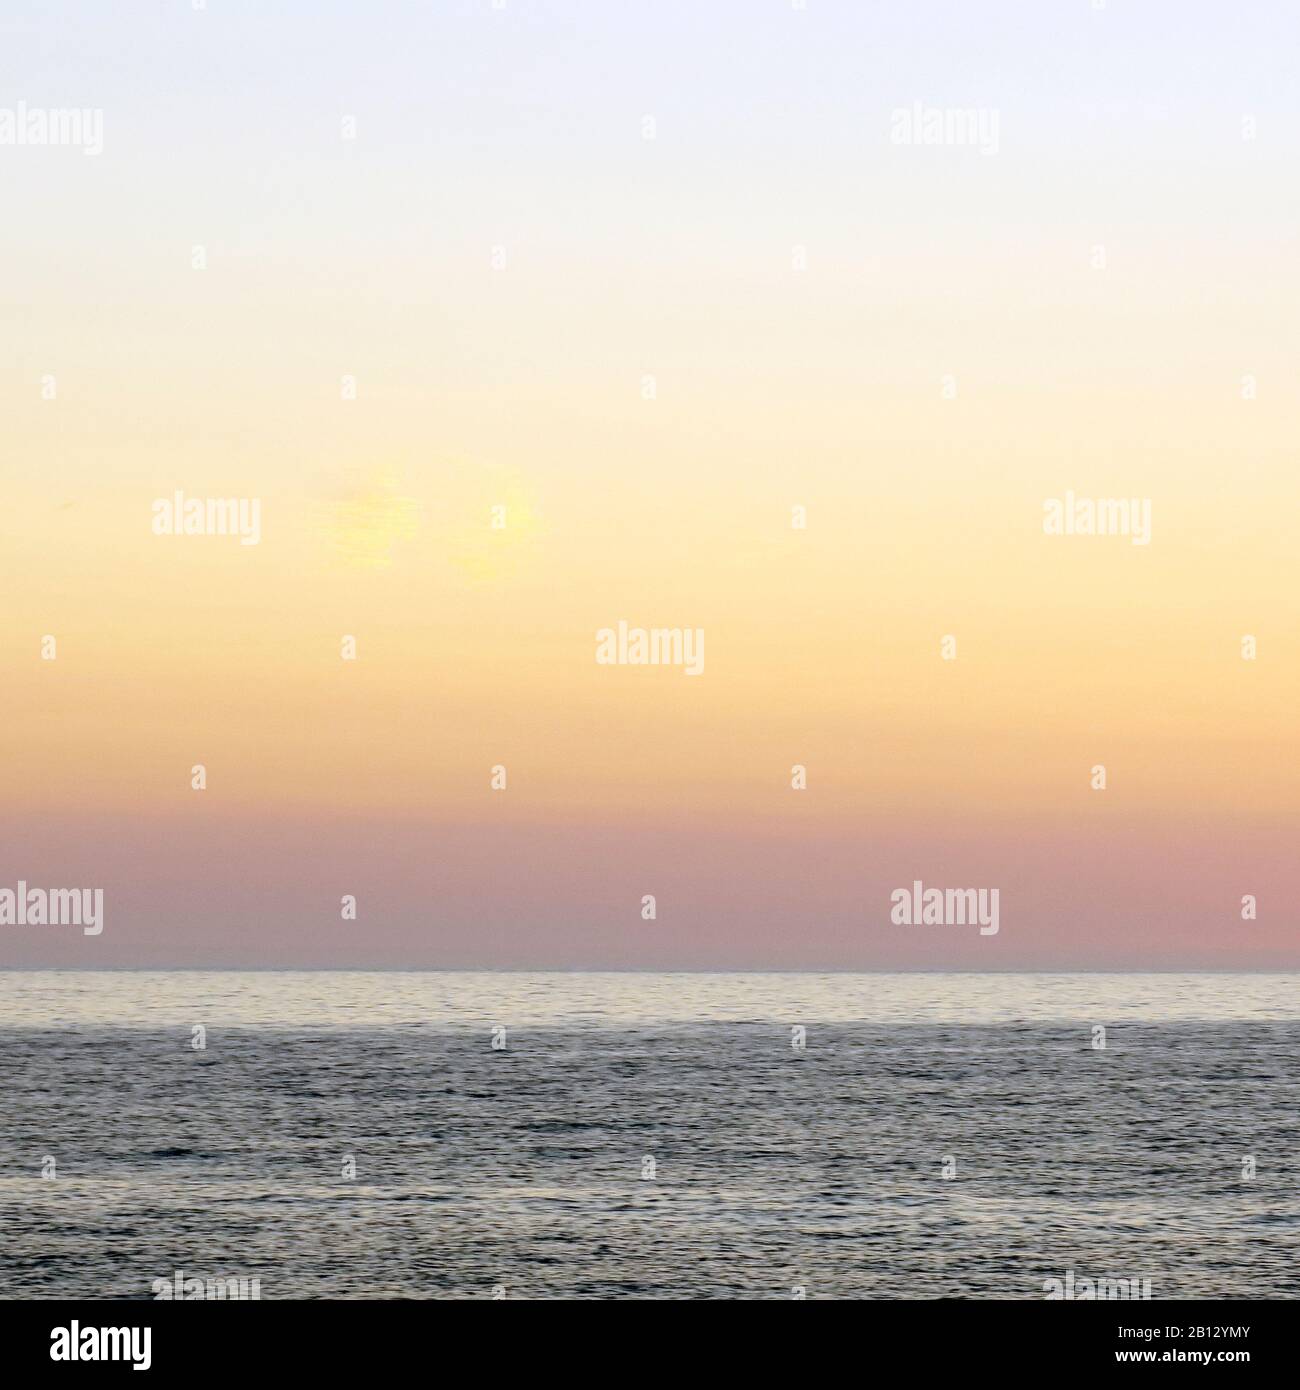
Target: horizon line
x: 590, y: 970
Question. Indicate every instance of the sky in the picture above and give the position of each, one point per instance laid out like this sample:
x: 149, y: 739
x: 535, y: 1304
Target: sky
x: 647, y: 278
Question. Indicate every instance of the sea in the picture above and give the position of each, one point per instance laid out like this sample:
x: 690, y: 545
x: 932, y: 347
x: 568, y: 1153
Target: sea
x: 459, y: 1135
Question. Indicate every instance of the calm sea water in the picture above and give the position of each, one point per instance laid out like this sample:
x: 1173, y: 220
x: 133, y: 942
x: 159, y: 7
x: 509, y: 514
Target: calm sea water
x: 650, y: 1136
